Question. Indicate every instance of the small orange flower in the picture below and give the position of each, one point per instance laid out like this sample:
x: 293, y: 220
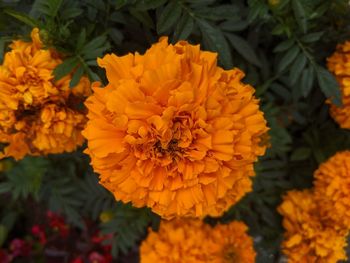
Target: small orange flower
x: 310, y: 237
x: 38, y: 115
x: 332, y: 188
x: 197, y: 242
x: 339, y: 65
x: 173, y: 131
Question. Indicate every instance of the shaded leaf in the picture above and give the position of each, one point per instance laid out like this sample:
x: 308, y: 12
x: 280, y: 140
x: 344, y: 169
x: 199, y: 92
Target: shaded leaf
x: 297, y: 68
x: 288, y: 58
x: 184, y: 27
x: 216, y: 41
x: 329, y: 85
x: 65, y: 68
x: 244, y: 48
x: 169, y: 16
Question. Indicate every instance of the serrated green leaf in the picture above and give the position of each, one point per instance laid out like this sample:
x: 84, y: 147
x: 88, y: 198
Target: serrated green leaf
x: 243, y: 48
x: 94, y: 44
x: 71, y: 13
x: 297, y: 68
x: 81, y: 40
x: 169, y: 16
x: 307, y: 80
x: 329, y: 85
x: 216, y: 42
x: 233, y: 25
x: 184, y: 27
x: 313, y: 37
x: 23, y: 18
x: 76, y: 77
x: 283, y: 46
x: 65, y: 68
x: 299, y: 13
x: 149, y: 4
x: 300, y: 154
x: 288, y: 58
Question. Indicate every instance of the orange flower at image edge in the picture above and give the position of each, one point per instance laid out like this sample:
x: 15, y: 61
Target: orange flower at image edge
x: 310, y: 237
x: 188, y: 240
x: 332, y: 188
x: 339, y: 65
x: 173, y: 131
x: 38, y: 115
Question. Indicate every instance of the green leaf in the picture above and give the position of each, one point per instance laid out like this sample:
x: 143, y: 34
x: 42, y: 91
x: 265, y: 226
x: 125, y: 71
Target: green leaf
x: 5, y: 187
x: 149, y: 4
x: 243, y: 48
x: 23, y: 18
x: 184, y: 27
x: 76, y: 77
x: 70, y: 13
x: 283, y: 46
x: 233, y: 25
x: 65, y: 68
x: 216, y: 41
x: 81, y: 40
x: 288, y: 58
x: 307, y: 80
x: 313, y: 37
x: 94, y: 44
x: 116, y: 35
x: 47, y: 7
x: 169, y: 16
x: 299, y: 13
x: 3, y: 234
x: 300, y: 154
x: 297, y: 68
x: 329, y: 85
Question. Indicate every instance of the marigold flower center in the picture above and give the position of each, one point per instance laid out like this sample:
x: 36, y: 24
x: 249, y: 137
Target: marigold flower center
x: 230, y: 255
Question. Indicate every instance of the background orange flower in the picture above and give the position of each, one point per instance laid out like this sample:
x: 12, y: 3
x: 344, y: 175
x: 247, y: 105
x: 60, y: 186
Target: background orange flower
x: 197, y: 242
x: 38, y: 115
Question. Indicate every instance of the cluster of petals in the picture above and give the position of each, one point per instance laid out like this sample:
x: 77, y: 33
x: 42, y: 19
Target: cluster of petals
x: 38, y: 115
x: 173, y: 131
x: 310, y: 237
x: 332, y: 188
x: 339, y: 65
x: 197, y: 242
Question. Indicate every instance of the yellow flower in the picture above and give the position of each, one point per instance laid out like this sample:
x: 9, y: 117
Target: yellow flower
x: 188, y: 240
x: 310, y: 237
x: 38, y: 115
x: 332, y: 188
x: 339, y: 65
x: 173, y: 131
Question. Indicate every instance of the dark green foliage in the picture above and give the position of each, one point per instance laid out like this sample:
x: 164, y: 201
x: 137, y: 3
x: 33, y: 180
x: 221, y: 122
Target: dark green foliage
x: 281, y: 47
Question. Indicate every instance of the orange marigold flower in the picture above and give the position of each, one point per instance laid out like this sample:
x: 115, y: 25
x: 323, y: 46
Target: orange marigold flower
x: 310, y: 237
x: 197, y: 242
x: 173, y: 131
x: 339, y: 65
x: 38, y: 115
x: 332, y: 188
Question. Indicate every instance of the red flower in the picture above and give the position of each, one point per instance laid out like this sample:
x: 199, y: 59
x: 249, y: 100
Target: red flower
x: 39, y: 232
x: 57, y: 223
x: 20, y: 247
x: 96, y: 257
x: 4, y: 257
x: 77, y: 260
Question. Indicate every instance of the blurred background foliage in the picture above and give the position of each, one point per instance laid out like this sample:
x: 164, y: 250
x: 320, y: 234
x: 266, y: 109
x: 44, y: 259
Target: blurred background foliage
x: 281, y: 45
